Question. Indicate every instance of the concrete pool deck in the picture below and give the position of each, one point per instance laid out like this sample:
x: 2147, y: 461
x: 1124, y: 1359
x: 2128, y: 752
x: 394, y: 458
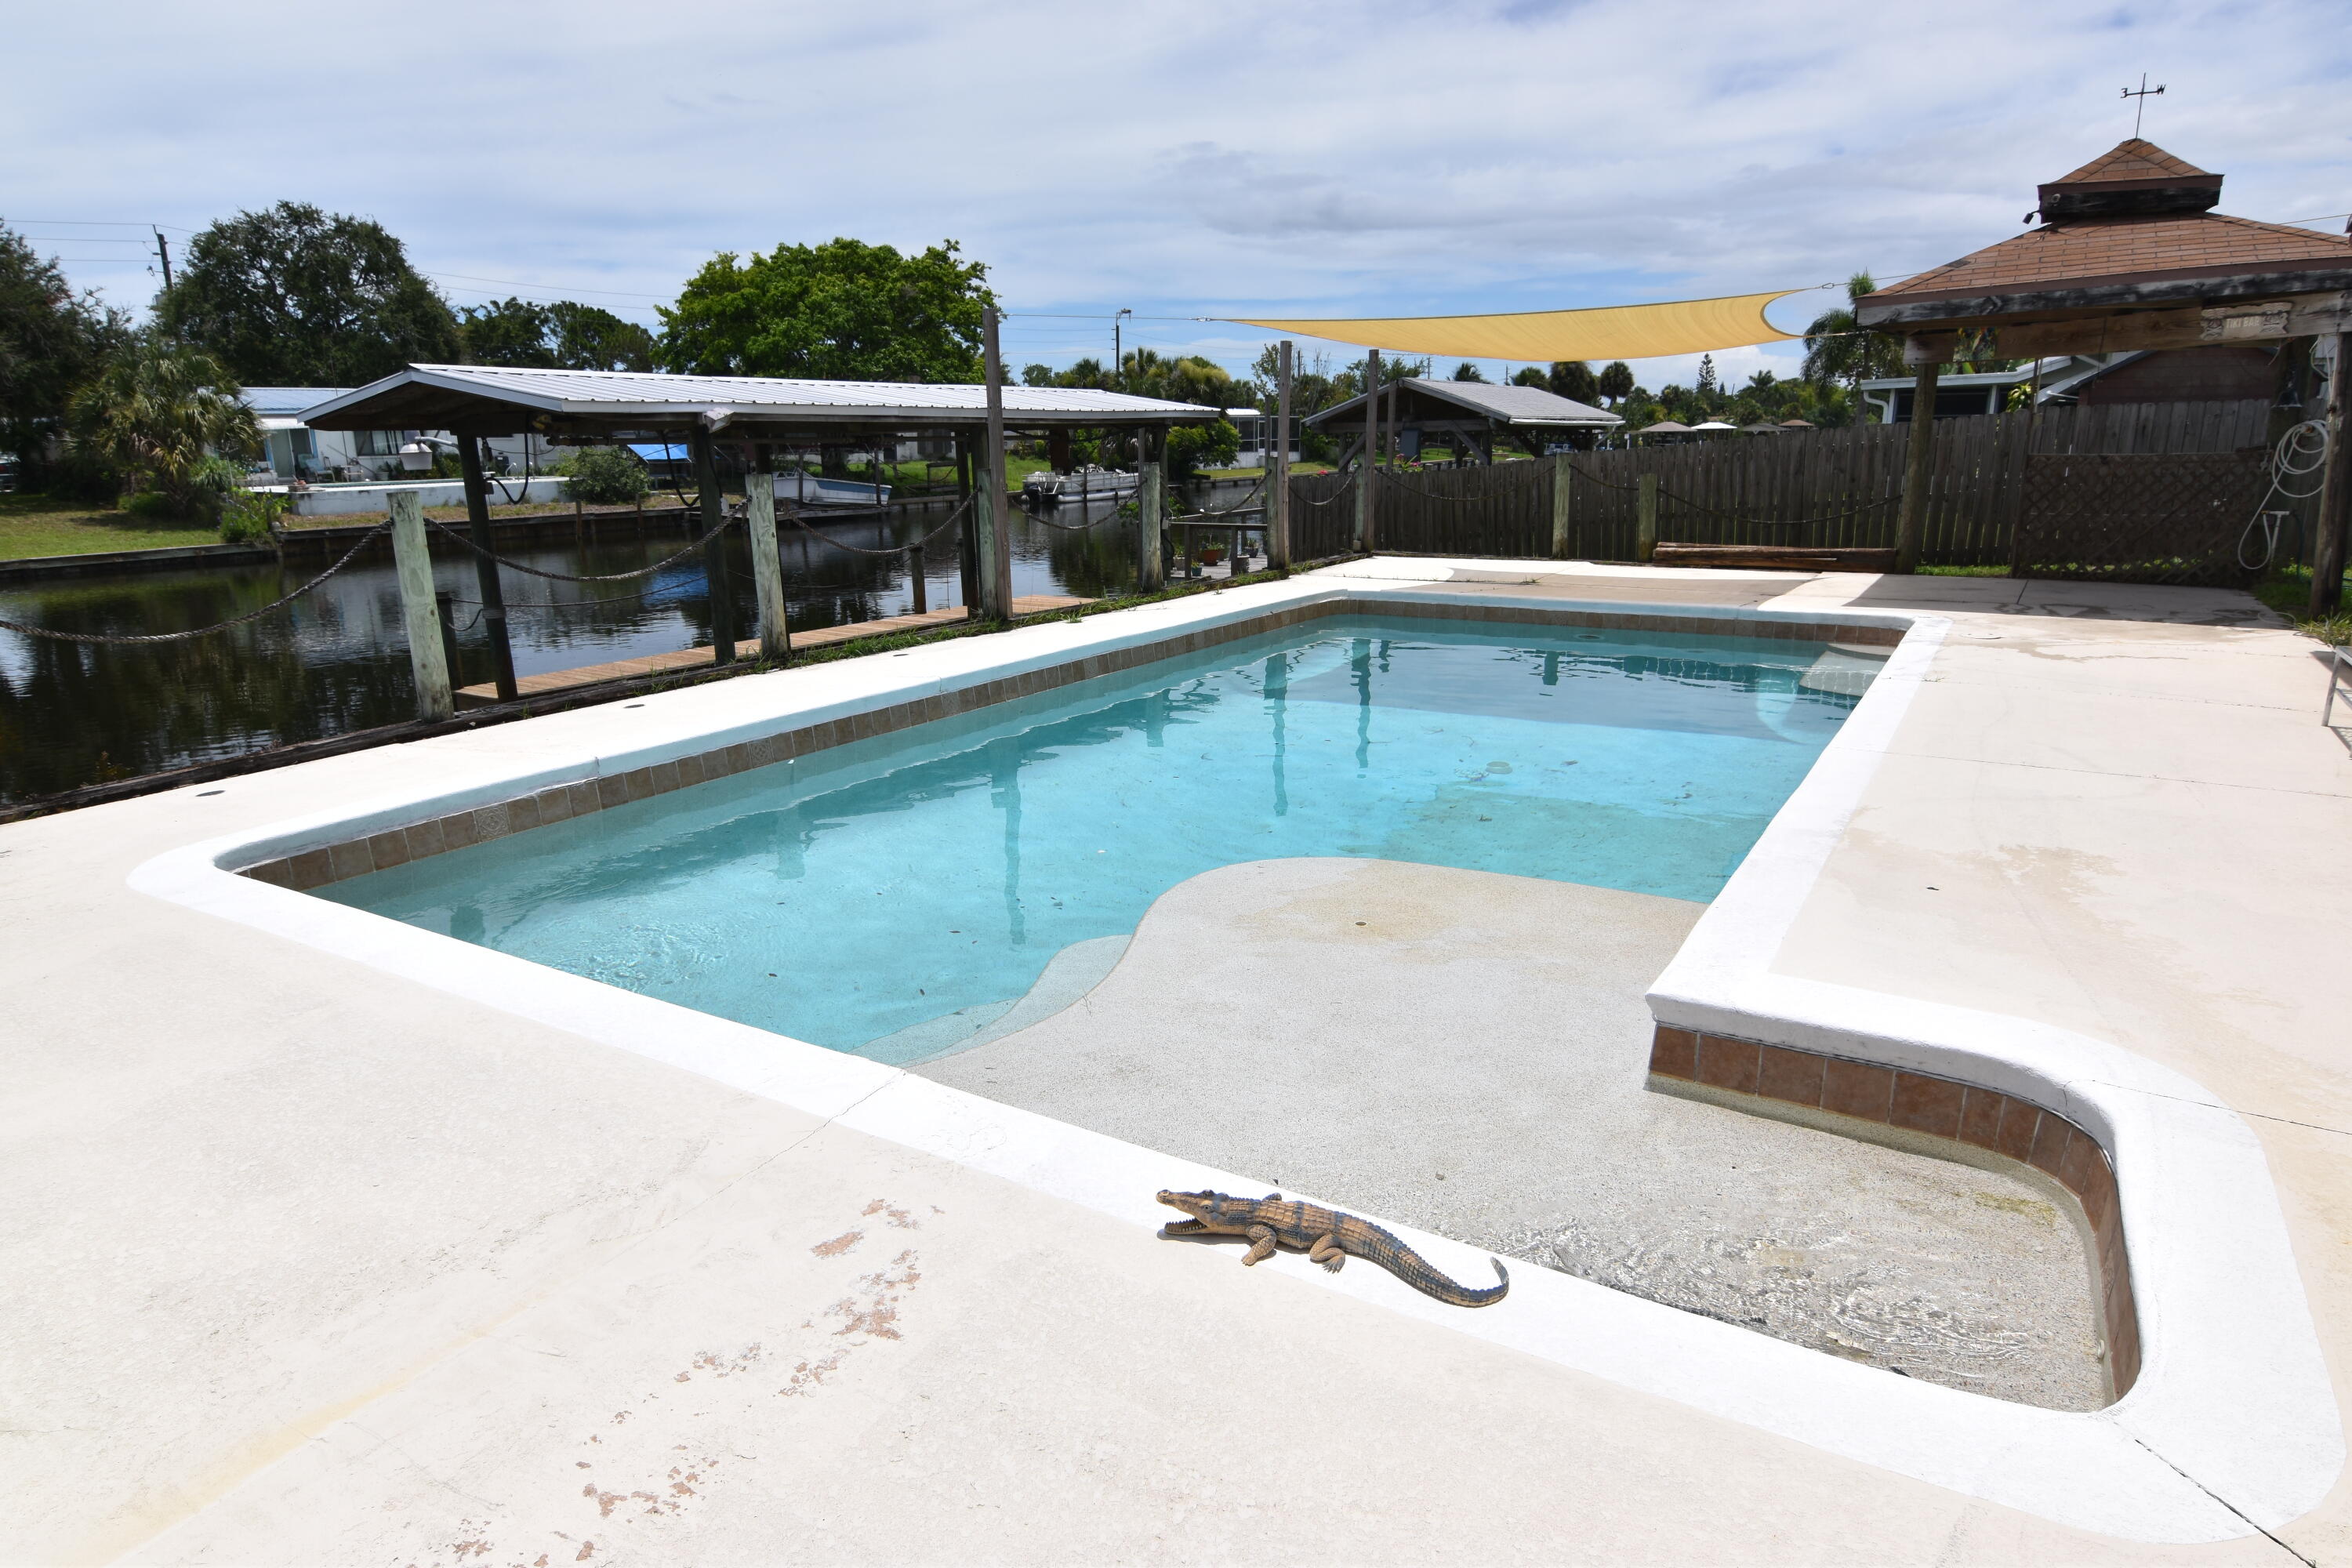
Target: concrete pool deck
x: 313, y: 1262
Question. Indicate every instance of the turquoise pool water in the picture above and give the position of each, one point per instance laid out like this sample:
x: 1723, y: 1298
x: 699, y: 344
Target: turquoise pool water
x: 853, y: 897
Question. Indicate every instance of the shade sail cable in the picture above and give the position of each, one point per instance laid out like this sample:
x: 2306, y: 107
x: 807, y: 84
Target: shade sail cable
x: 1607, y: 332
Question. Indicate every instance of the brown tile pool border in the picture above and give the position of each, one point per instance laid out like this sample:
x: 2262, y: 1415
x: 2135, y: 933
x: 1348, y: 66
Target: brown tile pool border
x: 1933, y: 1106
x: 391, y: 847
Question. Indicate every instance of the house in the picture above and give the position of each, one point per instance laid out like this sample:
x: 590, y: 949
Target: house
x: 2149, y: 375
x: 292, y: 450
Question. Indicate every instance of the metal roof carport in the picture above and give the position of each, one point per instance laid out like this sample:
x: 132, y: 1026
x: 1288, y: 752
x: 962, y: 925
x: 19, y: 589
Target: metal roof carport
x: 594, y: 405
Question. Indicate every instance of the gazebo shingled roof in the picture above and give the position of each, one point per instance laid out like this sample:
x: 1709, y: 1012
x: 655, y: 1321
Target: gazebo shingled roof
x: 2129, y: 256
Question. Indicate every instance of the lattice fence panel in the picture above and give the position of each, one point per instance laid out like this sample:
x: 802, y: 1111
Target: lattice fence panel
x: 2177, y: 518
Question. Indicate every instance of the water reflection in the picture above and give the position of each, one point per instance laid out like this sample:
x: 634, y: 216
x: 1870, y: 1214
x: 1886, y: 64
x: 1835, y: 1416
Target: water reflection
x: 337, y: 660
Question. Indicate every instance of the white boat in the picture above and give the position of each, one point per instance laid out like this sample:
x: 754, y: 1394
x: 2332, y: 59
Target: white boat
x: 1085, y: 483
x: 809, y: 490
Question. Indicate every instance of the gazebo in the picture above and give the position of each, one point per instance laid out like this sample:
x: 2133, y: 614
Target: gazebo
x: 2130, y: 255
x: 588, y: 407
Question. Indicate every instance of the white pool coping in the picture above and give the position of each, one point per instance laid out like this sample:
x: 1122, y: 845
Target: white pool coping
x: 2232, y: 1427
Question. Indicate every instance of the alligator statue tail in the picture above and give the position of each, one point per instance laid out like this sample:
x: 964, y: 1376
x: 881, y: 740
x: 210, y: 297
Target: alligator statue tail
x: 1386, y: 1250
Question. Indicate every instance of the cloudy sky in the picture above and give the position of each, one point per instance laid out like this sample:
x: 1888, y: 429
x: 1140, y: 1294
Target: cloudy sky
x: 1179, y: 161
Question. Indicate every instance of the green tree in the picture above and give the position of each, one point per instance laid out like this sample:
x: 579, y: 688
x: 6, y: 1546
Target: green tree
x: 1465, y: 371
x: 50, y: 340
x: 588, y: 337
x: 843, y: 311
x: 513, y: 332
x: 1573, y: 379
x: 1838, y: 349
x: 161, y: 412
x: 566, y: 336
x: 298, y: 297
x: 1616, y: 382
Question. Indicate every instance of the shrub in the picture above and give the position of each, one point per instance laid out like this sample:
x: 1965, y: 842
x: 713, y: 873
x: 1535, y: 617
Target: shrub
x: 246, y: 516
x: 605, y: 476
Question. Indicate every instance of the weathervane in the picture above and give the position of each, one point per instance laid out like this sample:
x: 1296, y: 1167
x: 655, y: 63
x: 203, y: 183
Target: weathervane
x: 2142, y: 92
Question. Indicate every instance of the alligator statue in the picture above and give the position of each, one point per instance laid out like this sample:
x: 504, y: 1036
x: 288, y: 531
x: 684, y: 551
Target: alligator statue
x: 1327, y: 1238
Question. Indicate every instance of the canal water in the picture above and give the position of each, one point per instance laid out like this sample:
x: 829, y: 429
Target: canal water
x: 337, y: 659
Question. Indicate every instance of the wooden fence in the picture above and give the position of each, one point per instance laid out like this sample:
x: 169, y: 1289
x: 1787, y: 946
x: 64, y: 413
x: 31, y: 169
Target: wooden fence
x: 1816, y: 488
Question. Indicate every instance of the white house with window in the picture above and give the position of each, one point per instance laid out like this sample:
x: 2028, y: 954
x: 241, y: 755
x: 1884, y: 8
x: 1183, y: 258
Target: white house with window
x: 292, y: 450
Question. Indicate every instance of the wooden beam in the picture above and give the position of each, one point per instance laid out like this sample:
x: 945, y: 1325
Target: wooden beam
x: 1369, y: 474
x: 1277, y: 478
x: 486, y: 569
x: 1918, y: 473
x: 2188, y: 327
x: 714, y: 551
x: 2334, y: 489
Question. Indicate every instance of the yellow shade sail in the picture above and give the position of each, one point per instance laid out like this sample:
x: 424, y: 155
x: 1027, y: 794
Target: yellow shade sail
x: 1610, y: 332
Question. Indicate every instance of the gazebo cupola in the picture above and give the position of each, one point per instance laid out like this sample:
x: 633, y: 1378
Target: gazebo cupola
x: 2138, y: 179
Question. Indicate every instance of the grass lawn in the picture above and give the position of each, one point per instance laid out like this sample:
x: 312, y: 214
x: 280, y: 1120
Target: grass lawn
x: 39, y: 525
x: 2288, y: 591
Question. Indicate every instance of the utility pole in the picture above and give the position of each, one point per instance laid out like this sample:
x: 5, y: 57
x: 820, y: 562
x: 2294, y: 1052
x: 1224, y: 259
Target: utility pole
x: 163, y: 254
x: 1118, y: 352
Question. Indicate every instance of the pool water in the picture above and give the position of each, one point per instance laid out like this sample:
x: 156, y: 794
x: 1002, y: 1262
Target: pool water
x: 854, y: 897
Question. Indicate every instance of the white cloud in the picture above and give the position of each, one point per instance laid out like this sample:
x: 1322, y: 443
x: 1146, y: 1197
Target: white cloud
x: 1389, y: 158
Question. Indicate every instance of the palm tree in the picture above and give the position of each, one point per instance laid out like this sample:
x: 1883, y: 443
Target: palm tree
x: 156, y: 411
x: 1838, y: 348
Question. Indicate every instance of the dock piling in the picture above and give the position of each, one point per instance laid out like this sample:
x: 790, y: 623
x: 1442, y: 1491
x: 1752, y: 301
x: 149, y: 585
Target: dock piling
x: 1150, y: 576
x: 427, y: 655
x: 767, y: 561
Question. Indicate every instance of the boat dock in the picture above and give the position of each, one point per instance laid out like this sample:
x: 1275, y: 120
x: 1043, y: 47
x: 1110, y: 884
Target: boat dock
x: 554, y: 680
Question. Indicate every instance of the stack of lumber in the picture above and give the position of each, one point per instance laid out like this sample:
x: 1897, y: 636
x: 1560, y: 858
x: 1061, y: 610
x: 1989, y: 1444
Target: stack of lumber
x: 1774, y: 557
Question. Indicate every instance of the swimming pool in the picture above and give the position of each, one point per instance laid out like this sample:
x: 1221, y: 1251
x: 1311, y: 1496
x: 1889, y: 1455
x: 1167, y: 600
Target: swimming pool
x: 856, y: 897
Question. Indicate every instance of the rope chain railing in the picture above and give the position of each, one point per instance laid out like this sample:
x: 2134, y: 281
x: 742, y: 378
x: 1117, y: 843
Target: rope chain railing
x: 1241, y: 506
x: 1332, y: 499
x: 725, y: 522
x: 111, y: 641
x: 794, y: 517
x: 1390, y: 477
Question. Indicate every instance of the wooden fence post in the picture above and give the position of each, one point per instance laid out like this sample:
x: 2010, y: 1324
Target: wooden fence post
x: 427, y: 655
x: 2334, y: 489
x: 1369, y: 468
x: 1561, y: 546
x: 767, y: 563
x: 1645, y: 532
x: 1918, y: 470
x: 1277, y: 478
